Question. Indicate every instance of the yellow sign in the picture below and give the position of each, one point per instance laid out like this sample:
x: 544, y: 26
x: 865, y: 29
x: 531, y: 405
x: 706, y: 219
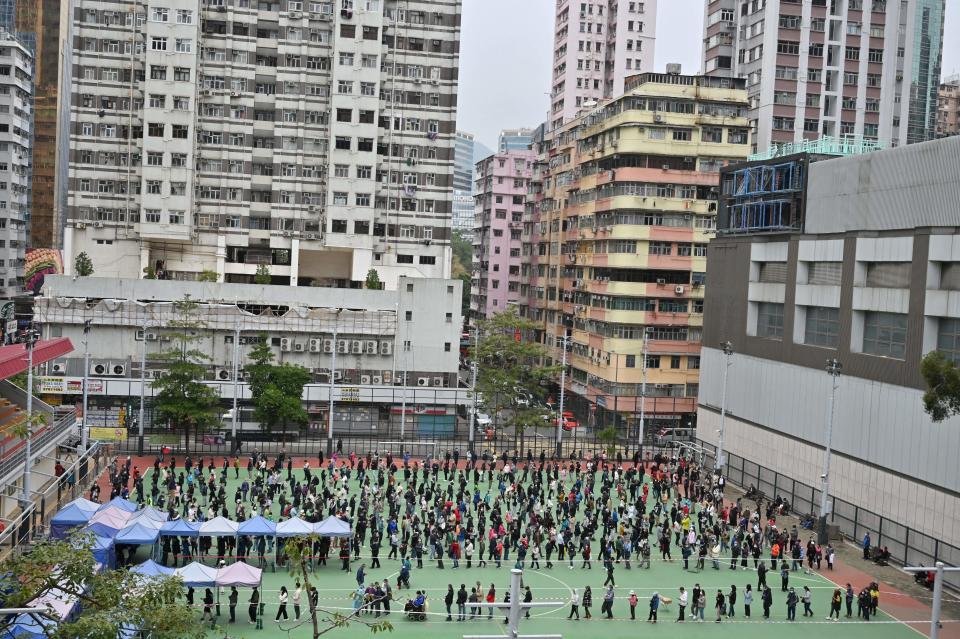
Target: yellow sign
x: 108, y: 434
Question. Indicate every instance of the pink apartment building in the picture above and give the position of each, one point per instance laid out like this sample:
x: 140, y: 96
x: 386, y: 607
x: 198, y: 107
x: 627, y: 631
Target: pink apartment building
x: 500, y: 197
x: 596, y: 45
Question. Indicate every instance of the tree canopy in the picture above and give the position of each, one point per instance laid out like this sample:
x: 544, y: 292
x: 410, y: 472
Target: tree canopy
x: 83, y: 265
x: 276, y: 389
x: 942, y: 398
x: 181, y: 398
x: 109, y: 601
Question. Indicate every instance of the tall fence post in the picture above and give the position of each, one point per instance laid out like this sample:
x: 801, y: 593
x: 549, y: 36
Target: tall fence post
x: 906, y: 546
x: 856, y: 523
x: 880, y: 533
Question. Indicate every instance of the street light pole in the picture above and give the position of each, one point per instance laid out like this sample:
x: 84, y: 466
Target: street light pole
x: 833, y: 369
x: 31, y: 340
x: 143, y: 383
x: 643, y: 390
x: 718, y: 459
x: 333, y: 372
x: 236, y: 386
x: 473, y: 409
x: 86, y: 371
x: 563, y: 387
x: 403, y: 403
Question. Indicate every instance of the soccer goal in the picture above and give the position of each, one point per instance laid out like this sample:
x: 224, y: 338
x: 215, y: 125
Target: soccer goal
x: 418, y: 449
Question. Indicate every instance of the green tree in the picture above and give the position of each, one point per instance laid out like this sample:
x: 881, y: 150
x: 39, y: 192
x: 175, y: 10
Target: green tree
x: 942, y: 398
x: 276, y: 389
x: 511, y: 364
x: 373, y: 280
x: 322, y: 620
x: 462, y: 253
x: 262, y: 276
x: 207, y: 276
x: 83, y: 265
x: 609, y: 437
x: 465, y: 294
x: 109, y: 600
x: 181, y: 398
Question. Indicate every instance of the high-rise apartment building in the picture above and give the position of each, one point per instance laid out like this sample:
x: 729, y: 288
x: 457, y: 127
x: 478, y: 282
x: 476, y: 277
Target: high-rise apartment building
x: 948, y: 107
x: 16, y: 106
x: 463, y: 166
x: 623, y: 202
x: 596, y: 45
x: 501, y: 194
x: 839, y: 68
x: 311, y: 138
x: 514, y: 140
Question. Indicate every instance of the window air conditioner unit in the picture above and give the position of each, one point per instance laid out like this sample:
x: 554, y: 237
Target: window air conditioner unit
x: 377, y: 380
x: 223, y: 375
x: 298, y: 347
x: 328, y: 346
x: 118, y: 370
x: 438, y: 381
x: 661, y: 281
x: 342, y: 346
x: 423, y: 381
x: 657, y: 118
x: 150, y: 337
x: 387, y: 377
x: 356, y: 347
x: 386, y: 348
x: 58, y: 368
x: 371, y: 347
x: 285, y: 343
x: 315, y: 345
x: 678, y: 290
x: 364, y: 379
x: 337, y: 375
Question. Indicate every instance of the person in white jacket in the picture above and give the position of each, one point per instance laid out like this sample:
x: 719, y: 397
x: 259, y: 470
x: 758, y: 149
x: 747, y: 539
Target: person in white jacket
x: 682, y: 603
x: 574, y: 605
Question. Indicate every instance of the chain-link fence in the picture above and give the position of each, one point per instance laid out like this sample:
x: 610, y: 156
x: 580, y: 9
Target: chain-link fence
x: 907, y: 546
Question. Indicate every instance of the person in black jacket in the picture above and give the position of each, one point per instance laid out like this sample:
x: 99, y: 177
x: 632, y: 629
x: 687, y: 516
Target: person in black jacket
x: 254, y: 602
x: 462, y: 603
x: 448, y: 601
x: 234, y: 597
x: 767, y: 602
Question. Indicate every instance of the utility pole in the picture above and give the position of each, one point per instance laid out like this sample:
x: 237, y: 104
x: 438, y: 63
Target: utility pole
x: 403, y: 403
x: 86, y: 371
x: 31, y: 341
x: 833, y: 369
x: 473, y: 408
x: 333, y: 374
x: 643, y: 390
x: 236, y: 386
x: 563, y: 386
x: 938, y: 570
x: 718, y: 460
x: 143, y: 383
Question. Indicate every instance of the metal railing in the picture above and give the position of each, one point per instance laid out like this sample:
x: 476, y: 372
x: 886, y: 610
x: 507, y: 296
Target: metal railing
x: 907, y: 546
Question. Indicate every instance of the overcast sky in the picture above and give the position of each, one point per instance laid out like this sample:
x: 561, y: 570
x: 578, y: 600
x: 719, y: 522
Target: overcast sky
x: 506, y: 48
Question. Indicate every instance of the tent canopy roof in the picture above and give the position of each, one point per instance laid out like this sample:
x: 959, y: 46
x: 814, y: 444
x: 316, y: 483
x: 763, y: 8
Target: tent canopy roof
x: 180, y: 528
x: 137, y: 533
x: 258, y: 525
x: 239, y: 574
x: 333, y: 527
x: 197, y: 575
x: 294, y: 527
x: 218, y: 527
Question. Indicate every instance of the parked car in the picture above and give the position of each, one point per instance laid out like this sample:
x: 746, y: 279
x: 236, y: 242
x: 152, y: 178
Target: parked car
x: 483, y: 421
x: 521, y: 401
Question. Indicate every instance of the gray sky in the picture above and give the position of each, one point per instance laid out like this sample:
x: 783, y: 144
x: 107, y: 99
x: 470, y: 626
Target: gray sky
x: 506, y: 48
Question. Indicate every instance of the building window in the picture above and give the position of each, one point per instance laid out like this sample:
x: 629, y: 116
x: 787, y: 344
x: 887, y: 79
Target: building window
x: 822, y: 327
x: 181, y: 131
x: 160, y: 14
x: 155, y: 129
x: 770, y: 320
x: 884, y: 334
x: 948, y: 338
x: 693, y: 362
x: 630, y: 361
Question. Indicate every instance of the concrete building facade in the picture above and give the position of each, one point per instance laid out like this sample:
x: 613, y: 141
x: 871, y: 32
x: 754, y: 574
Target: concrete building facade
x: 463, y: 168
x: 854, y: 68
x: 16, y: 119
x: 311, y: 138
x: 948, y: 107
x: 377, y: 337
x: 596, y: 46
x: 501, y: 194
x: 868, y: 274
x: 622, y: 206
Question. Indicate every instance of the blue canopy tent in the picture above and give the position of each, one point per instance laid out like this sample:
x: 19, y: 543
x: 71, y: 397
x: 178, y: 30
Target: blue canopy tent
x: 196, y: 575
x: 179, y: 528
x: 150, y: 568
x: 27, y: 626
x: 122, y: 504
x: 332, y: 527
x: 103, y: 552
x: 107, y: 522
x: 137, y: 534
x: 77, y: 513
x: 257, y: 526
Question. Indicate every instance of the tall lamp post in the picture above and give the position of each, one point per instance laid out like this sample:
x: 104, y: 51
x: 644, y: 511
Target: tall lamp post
x: 143, y: 385
x: 643, y: 392
x: 32, y: 338
x: 718, y: 461
x: 833, y: 370
x: 563, y: 386
x: 333, y: 371
x: 86, y: 372
x: 236, y: 387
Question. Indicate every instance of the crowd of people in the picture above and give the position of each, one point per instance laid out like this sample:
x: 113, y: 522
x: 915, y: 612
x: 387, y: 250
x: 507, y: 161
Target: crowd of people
x: 531, y: 514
